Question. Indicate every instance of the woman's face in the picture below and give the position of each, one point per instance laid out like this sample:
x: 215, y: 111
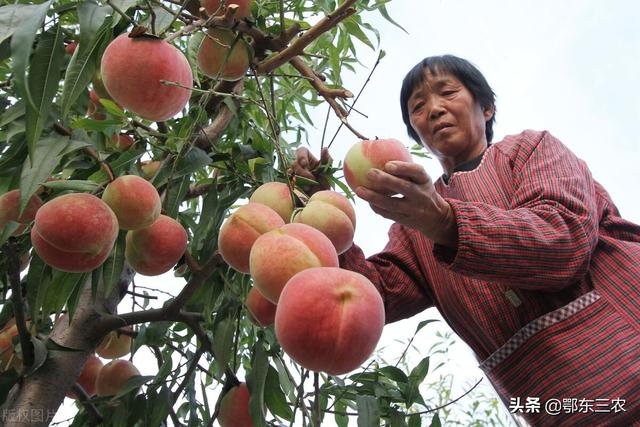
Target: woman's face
x: 450, y: 123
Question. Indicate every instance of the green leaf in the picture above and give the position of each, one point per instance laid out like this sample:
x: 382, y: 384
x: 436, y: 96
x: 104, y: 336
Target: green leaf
x: 368, y: 412
x: 95, y: 125
x: 417, y: 375
x: 385, y: 14
x: 394, y: 374
x: 424, y: 323
x: 341, y: 419
x: 44, y: 75
x: 175, y: 195
x: 435, y: 421
x: 12, y: 17
x: 38, y: 278
x: 21, y: 45
x: 352, y: 26
x: 9, y: 228
x: 113, y: 266
x: 60, y: 290
x: 123, y: 5
x: 91, y: 17
x: 274, y: 397
x: 74, y: 185
x: 12, y: 113
x: 256, y: 382
x: 415, y: 420
x: 133, y: 383
x: 83, y: 64
x: 45, y: 160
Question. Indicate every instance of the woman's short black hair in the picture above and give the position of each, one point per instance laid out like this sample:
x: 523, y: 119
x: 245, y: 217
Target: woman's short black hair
x: 460, y: 68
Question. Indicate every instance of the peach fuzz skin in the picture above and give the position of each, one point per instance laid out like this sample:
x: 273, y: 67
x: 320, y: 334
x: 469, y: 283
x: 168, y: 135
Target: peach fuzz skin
x: 132, y: 70
x: 277, y: 196
x: 74, y: 232
x: 332, y: 214
x: 337, y: 335
x: 10, y: 205
x: 368, y: 154
x: 113, y: 376
x: 279, y: 254
x: 155, y: 249
x: 134, y: 200
x: 88, y: 376
x: 240, y: 231
x: 214, y: 59
x: 212, y: 6
x: 234, y: 407
x: 262, y: 312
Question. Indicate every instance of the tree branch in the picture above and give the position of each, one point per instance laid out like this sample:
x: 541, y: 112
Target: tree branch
x: 296, y: 48
x: 18, y: 305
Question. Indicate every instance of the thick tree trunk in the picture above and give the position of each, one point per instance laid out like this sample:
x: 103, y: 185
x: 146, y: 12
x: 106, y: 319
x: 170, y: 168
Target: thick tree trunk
x: 35, y: 400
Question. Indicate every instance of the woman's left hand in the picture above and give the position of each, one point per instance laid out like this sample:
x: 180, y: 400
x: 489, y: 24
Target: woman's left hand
x: 404, y: 192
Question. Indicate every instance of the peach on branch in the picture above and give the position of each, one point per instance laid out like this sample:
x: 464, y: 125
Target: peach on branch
x: 134, y: 200
x: 368, y: 154
x: 337, y: 335
x: 133, y: 71
x: 153, y: 250
x: 74, y: 232
x: 279, y: 254
x: 333, y: 214
x: 234, y: 407
x: 115, y: 344
x: 222, y: 56
x: 8, y: 357
x: 213, y: 6
x: 88, y: 376
x: 71, y: 48
x: 122, y: 141
x: 149, y: 168
x: 262, y: 312
x: 277, y: 196
x: 113, y: 376
x: 10, y: 206
x: 241, y: 229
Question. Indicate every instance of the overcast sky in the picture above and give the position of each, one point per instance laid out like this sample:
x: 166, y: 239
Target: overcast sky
x: 570, y: 67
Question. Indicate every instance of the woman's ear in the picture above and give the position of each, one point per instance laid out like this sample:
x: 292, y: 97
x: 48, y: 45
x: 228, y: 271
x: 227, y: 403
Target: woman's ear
x: 488, y: 112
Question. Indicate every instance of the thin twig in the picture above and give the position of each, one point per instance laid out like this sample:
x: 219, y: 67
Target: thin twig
x: 12, y: 249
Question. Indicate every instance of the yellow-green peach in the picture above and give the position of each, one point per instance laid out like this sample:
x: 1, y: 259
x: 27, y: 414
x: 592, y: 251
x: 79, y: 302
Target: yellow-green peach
x: 277, y: 196
x: 240, y: 231
x: 134, y: 200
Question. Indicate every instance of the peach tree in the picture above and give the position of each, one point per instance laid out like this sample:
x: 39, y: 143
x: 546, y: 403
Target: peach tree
x: 130, y: 130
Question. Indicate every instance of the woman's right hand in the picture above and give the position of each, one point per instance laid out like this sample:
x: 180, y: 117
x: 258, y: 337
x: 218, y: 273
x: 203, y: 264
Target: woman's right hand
x: 308, y: 166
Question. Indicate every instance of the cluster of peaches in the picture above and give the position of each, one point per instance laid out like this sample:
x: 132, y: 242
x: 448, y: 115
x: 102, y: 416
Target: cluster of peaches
x: 95, y: 377
x: 76, y: 232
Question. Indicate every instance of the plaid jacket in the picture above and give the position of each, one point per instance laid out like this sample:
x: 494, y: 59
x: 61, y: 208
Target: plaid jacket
x: 544, y: 285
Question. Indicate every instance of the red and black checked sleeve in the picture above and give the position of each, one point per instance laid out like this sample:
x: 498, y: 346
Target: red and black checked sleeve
x: 546, y: 238
x: 396, y: 272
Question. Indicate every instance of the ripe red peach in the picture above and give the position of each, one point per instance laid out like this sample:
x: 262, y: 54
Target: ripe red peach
x: 368, y: 154
x: 215, y: 60
x: 88, y: 376
x: 234, y: 407
x: 241, y: 229
x: 262, y: 312
x: 74, y: 232
x: 133, y: 69
x: 10, y: 206
x: 333, y: 214
x: 279, y: 254
x: 134, y: 200
x: 337, y: 335
x: 115, y: 344
x: 213, y: 6
x: 113, y: 376
x: 277, y: 196
x: 71, y: 48
x: 155, y: 249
